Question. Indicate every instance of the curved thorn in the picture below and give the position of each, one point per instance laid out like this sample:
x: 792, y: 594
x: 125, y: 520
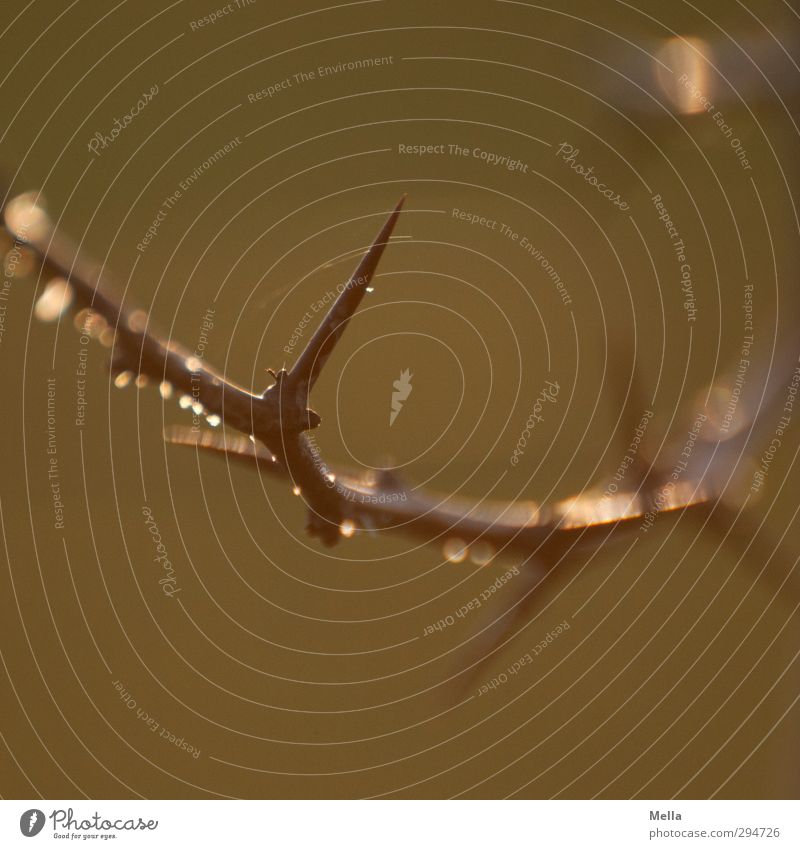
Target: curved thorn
x: 306, y: 370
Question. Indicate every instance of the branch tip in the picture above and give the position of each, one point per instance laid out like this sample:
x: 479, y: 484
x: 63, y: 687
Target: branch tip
x: 304, y: 373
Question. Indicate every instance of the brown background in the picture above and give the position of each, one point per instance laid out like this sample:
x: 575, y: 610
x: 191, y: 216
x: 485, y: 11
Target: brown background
x: 300, y: 672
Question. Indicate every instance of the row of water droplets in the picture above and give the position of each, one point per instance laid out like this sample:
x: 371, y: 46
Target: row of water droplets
x: 55, y: 300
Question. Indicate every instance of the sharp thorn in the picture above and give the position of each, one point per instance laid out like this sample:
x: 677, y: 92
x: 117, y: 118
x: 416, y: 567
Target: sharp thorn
x: 306, y: 370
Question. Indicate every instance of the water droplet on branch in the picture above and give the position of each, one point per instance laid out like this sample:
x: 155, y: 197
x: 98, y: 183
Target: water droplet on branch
x: 455, y: 550
x: 57, y: 296
x: 481, y: 552
x: 27, y: 218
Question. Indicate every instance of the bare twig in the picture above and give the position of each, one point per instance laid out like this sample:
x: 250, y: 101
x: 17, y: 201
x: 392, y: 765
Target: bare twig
x: 304, y: 373
x: 338, y: 502
x: 271, y: 439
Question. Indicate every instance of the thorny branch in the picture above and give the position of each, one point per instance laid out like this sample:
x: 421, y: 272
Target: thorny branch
x: 273, y: 425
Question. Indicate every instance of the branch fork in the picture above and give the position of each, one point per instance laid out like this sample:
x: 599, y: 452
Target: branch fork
x: 276, y: 420
x: 273, y: 426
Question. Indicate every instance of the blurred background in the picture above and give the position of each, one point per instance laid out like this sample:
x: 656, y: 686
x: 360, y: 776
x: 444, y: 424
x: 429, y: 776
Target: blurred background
x: 591, y: 186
